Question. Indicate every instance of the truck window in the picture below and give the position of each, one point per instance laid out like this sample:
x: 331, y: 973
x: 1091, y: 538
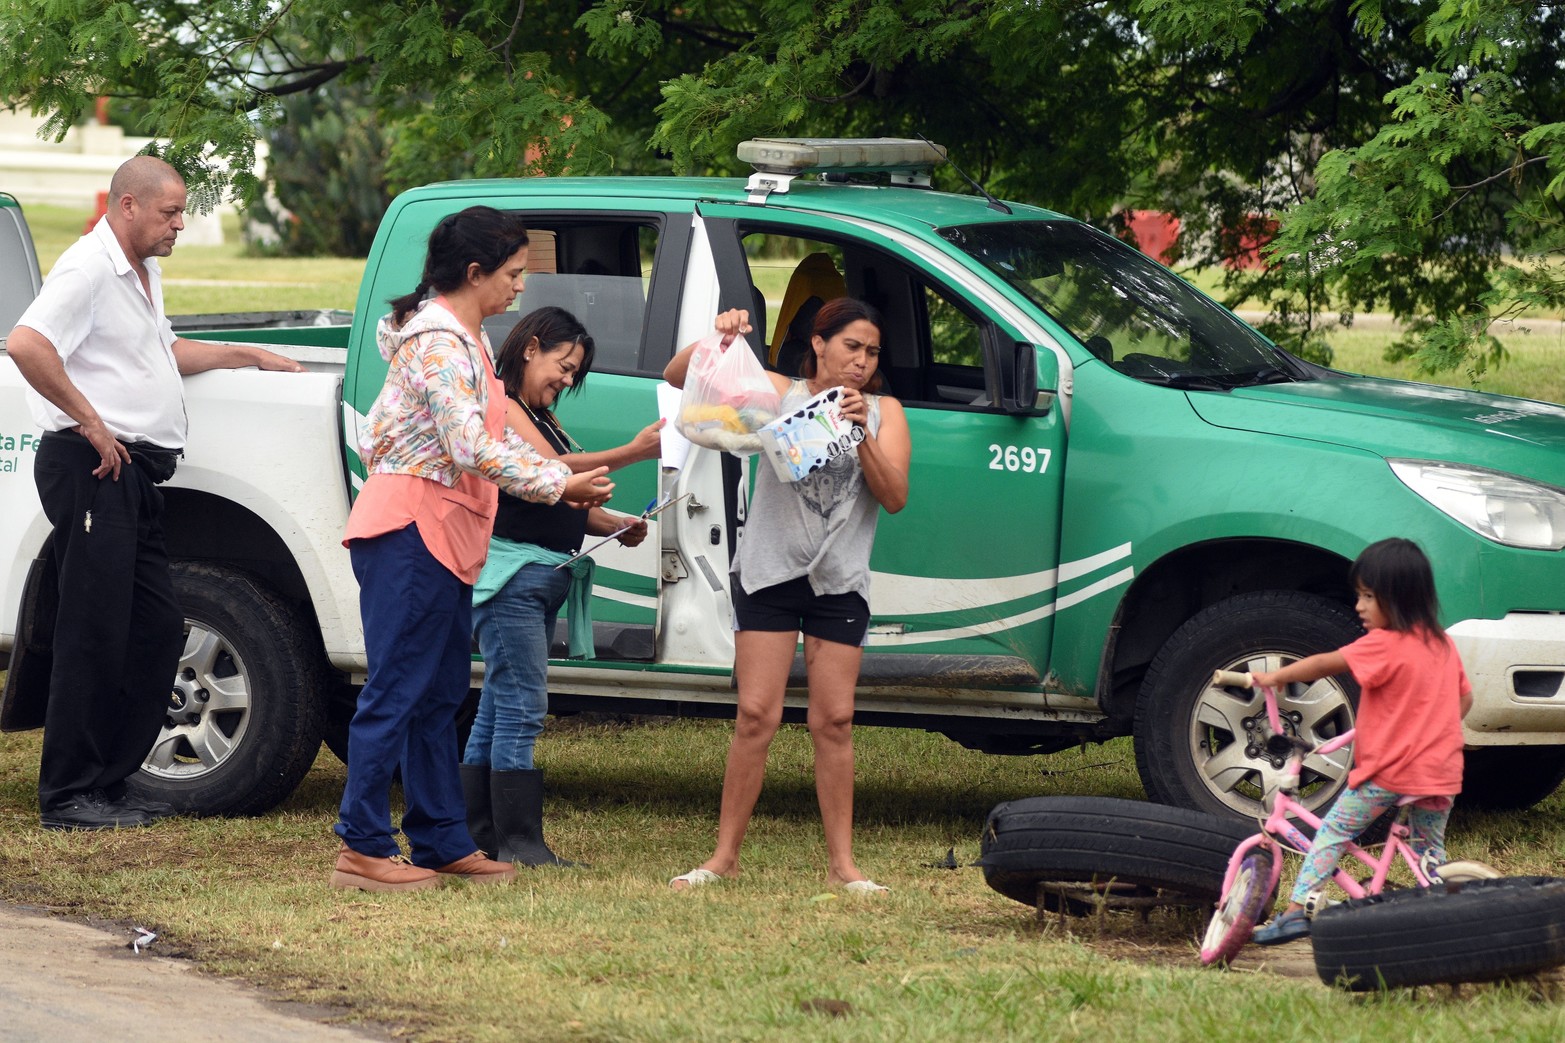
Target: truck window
x: 18, y: 265
x: 598, y: 271
x: 932, y: 345
x: 1129, y: 311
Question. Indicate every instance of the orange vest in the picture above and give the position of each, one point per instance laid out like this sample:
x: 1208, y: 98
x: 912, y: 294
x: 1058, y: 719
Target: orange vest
x: 455, y: 523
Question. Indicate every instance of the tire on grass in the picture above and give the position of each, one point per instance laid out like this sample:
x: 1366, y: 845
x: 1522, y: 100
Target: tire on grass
x: 1098, y: 840
x: 1478, y: 931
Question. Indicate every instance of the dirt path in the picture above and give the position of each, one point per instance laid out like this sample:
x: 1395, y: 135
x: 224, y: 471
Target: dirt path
x: 71, y: 981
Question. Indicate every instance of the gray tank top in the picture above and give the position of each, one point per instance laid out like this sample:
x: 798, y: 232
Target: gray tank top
x: 821, y: 526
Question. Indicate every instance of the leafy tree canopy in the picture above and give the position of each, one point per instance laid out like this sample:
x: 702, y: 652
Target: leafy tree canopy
x: 1411, y: 148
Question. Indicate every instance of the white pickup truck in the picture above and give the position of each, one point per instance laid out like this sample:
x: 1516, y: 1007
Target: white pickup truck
x: 1095, y: 522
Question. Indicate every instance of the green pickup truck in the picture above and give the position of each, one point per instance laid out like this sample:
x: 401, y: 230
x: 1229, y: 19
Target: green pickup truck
x: 1117, y: 487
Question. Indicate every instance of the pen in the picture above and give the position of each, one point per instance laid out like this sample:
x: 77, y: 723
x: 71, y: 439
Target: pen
x: 652, y: 508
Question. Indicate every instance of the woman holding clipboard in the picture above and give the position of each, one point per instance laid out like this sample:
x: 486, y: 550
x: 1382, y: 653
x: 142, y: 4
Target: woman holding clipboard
x: 533, y: 569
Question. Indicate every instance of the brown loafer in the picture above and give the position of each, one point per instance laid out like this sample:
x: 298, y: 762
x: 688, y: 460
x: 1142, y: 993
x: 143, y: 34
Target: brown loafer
x: 368, y: 873
x: 479, y: 870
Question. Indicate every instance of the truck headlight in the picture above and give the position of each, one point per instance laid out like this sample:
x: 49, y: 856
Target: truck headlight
x: 1502, y: 507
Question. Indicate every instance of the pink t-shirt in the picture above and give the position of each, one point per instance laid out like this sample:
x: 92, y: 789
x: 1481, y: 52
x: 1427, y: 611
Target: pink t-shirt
x: 1409, y: 737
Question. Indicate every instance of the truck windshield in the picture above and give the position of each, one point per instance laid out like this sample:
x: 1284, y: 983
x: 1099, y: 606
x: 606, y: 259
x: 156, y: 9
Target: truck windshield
x: 1127, y: 310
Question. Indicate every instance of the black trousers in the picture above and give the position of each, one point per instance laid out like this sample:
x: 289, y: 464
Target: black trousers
x: 119, y: 632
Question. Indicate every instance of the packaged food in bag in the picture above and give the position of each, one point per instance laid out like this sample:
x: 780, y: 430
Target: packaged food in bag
x: 728, y: 397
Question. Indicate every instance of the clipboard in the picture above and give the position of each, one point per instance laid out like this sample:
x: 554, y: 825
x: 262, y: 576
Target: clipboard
x: 645, y: 515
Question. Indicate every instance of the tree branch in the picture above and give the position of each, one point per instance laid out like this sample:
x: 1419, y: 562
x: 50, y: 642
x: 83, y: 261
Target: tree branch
x: 1467, y: 190
x: 1509, y: 171
x: 711, y: 35
x: 505, y: 45
x: 322, y: 74
x: 859, y: 89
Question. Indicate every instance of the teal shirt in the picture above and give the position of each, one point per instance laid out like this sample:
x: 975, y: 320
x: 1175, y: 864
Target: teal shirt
x: 506, y: 559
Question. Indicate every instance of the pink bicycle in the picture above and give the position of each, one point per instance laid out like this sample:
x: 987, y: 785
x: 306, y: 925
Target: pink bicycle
x: 1250, y: 882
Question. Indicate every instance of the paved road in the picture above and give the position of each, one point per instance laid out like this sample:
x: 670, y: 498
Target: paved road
x: 65, y: 982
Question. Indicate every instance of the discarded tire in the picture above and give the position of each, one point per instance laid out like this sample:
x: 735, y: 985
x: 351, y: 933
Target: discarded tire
x: 1477, y: 931
x: 1098, y: 840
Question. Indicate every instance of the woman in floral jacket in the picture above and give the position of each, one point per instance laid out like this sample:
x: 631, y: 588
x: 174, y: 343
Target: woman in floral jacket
x: 436, y: 448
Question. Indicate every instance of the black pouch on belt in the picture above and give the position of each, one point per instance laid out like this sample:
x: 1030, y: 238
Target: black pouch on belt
x: 156, y: 463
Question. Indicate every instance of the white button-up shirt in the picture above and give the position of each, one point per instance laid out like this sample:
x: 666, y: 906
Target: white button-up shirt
x: 115, y: 342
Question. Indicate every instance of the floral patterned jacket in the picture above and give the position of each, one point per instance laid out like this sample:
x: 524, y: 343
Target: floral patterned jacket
x: 429, y: 418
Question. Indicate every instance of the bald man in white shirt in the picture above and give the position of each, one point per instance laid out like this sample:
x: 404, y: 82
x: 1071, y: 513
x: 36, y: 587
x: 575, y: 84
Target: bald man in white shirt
x: 104, y: 369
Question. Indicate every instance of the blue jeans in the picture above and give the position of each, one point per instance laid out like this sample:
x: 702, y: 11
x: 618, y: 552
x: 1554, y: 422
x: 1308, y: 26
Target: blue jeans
x: 513, y: 629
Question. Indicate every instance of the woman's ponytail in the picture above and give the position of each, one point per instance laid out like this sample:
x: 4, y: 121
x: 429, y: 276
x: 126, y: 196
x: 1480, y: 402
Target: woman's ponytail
x: 402, y: 306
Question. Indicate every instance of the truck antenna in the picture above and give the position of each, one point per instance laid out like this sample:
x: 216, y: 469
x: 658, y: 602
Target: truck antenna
x: 994, y: 204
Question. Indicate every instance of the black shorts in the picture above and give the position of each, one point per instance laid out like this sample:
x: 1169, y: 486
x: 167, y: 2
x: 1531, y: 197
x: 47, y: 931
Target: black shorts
x: 793, y: 606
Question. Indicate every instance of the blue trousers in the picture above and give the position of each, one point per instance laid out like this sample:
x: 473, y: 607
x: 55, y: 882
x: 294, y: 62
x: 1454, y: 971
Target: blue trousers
x: 417, y: 637
x: 513, y: 630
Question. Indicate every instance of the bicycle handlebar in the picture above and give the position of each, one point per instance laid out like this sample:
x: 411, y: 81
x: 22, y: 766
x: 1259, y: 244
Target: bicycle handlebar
x: 1244, y: 679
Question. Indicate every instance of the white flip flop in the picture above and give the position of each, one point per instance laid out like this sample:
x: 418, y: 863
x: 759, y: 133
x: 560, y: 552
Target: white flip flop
x: 694, y: 878
x: 864, y: 887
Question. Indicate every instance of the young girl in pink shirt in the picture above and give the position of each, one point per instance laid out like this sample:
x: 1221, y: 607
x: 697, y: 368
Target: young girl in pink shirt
x: 1408, y: 742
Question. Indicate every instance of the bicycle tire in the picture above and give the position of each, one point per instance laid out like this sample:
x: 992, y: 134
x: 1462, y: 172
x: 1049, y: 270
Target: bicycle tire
x: 1036, y: 840
x: 1239, y: 910
x: 1481, y: 930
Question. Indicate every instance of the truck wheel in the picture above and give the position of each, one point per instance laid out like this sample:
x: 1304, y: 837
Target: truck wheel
x: 1477, y: 931
x: 1510, y: 778
x: 1196, y: 744
x: 1103, y: 840
x: 1241, y: 908
x: 247, y: 707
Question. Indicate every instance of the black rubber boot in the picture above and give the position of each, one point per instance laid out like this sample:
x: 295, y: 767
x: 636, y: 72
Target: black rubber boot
x: 480, y: 816
x: 517, y: 799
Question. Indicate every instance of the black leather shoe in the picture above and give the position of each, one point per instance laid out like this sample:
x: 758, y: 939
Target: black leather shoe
x: 94, y: 810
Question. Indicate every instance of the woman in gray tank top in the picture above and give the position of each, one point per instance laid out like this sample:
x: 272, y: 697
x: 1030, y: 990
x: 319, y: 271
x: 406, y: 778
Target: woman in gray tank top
x: 803, y: 567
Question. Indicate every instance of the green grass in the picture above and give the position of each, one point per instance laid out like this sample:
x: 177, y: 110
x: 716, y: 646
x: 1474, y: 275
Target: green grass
x: 202, y: 279
x: 1535, y: 368
x: 609, y: 953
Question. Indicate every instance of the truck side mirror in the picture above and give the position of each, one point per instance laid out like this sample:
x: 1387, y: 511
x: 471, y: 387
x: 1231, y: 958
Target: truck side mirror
x: 1031, y: 380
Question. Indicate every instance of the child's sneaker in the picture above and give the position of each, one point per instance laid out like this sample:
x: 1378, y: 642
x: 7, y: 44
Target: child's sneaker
x: 1430, y: 866
x: 1288, y: 927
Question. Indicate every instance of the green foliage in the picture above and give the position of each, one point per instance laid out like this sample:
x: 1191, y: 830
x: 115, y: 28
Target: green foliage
x: 1413, y: 149
x: 1450, y: 214
x: 326, y: 165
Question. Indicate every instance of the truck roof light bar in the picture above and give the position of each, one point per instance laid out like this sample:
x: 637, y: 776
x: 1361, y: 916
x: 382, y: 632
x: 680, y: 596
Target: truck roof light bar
x: 777, y: 161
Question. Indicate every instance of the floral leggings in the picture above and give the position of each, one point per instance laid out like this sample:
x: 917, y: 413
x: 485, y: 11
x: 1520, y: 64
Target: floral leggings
x: 1352, y: 814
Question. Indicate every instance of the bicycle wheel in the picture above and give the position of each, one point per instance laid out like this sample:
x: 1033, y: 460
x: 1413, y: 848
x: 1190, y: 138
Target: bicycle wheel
x: 1476, y: 931
x: 1242, y: 906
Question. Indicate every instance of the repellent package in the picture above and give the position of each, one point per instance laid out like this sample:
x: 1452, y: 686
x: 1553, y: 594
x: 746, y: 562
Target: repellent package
x: 803, y: 441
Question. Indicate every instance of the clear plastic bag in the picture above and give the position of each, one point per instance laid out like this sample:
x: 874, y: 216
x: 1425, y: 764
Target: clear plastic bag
x: 728, y: 397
